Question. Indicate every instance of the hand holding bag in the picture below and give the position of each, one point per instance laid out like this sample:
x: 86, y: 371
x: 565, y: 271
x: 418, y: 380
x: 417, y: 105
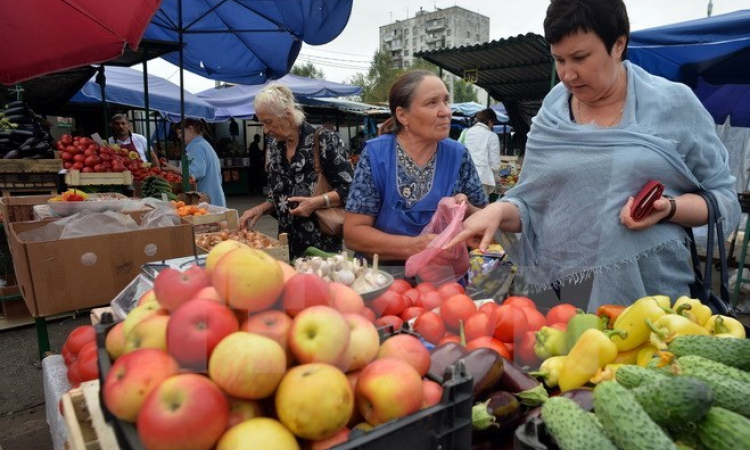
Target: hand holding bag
x: 330, y: 220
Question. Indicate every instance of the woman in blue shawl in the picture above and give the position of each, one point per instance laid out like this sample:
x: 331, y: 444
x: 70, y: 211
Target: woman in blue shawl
x: 601, y: 134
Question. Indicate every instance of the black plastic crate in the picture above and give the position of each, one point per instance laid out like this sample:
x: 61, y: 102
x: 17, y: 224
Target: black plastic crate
x: 744, y: 198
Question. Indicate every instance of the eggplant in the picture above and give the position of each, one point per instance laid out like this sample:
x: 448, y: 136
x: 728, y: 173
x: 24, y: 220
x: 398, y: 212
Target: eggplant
x: 582, y: 396
x: 499, y: 412
x: 530, y: 391
x: 485, y: 366
x: 16, y: 104
x: 13, y: 154
x: 442, y: 357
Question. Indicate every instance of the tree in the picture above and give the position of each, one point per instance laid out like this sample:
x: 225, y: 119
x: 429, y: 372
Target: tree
x: 378, y: 80
x: 307, y: 70
x: 463, y: 91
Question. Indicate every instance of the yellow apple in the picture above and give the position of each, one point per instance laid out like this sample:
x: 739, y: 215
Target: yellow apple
x: 151, y: 332
x: 260, y: 433
x: 248, y: 279
x: 139, y: 313
x: 388, y: 389
x: 221, y: 249
x: 364, y: 343
x: 115, y: 341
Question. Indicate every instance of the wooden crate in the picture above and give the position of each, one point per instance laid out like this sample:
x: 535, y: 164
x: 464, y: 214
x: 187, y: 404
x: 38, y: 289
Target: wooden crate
x: 27, y: 175
x: 78, y: 178
x: 230, y: 217
x: 21, y: 208
x: 280, y: 252
x: 30, y: 165
x: 86, y: 427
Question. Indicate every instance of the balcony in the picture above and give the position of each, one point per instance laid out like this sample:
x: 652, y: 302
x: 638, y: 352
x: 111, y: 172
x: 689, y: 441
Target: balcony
x: 435, y: 25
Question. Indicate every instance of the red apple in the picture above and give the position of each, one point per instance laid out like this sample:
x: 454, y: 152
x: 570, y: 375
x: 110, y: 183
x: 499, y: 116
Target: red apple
x: 314, y: 401
x: 345, y: 299
x: 368, y: 314
x: 388, y: 389
x: 273, y: 324
x: 247, y: 365
x: 325, y: 444
x: 184, y: 411
x: 432, y: 393
x: 241, y: 409
x: 409, y: 349
x: 173, y: 288
x: 132, y: 377
x: 248, y: 279
x: 319, y: 334
x: 195, y: 329
x: 364, y: 343
x: 208, y: 293
x: 303, y: 291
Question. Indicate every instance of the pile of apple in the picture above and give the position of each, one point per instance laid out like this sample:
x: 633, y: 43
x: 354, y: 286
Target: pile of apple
x: 248, y: 354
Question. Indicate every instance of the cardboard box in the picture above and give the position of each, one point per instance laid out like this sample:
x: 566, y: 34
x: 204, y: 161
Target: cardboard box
x: 69, y: 274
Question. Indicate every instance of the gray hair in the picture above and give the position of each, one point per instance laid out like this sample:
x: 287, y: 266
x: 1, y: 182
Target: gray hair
x: 278, y: 98
x: 119, y: 116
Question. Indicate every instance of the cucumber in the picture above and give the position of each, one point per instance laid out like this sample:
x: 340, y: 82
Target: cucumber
x: 728, y: 393
x: 625, y: 422
x: 675, y: 401
x: 315, y: 251
x: 722, y: 429
x: 729, y: 351
x: 694, y: 362
x: 571, y: 427
x: 632, y: 376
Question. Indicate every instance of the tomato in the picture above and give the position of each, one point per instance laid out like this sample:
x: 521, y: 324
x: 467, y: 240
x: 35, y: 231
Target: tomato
x: 79, y: 337
x: 489, y: 342
x: 560, y: 326
x: 430, y: 300
x: 430, y: 326
x: 524, y: 351
x: 385, y: 321
x: 510, y: 323
x: 68, y: 357
x: 488, y: 308
x: 425, y: 287
x: 449, y: 337
x: 389, y: 303
x: 477, y: 325
x: 74, y: 378
x: 66, y: 139
x: 561, y: 313
x: 399, y: 285
x: 535, y: 319
x: 449, y: 289
x: 457, y: 308
x: 66, y: 156
x: 88, y: 365
x: 517, y: 300
x: 411, y: 312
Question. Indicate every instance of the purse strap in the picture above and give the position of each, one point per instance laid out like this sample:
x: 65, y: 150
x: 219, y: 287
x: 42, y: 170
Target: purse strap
x: 316, y: 150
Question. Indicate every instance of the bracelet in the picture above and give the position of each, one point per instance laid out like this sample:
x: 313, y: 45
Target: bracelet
x: 327, y: 200
x: 672, y: 209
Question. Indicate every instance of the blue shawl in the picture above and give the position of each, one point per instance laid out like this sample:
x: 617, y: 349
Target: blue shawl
x: 576, y: 178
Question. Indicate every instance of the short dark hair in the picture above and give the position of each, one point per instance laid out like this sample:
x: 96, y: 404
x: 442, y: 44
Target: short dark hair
x: 402, y: 94
x: 608, y: 19
x: 486, y: 115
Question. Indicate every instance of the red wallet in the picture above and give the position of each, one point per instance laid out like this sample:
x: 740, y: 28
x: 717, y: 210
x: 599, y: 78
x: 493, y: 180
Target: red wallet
x: 644, y: 201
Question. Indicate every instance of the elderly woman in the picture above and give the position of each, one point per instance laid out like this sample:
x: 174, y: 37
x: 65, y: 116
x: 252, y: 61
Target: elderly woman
x: 402, y: 174
x: 292, y: 175
x: 601, y: 135
x: 204, y: 163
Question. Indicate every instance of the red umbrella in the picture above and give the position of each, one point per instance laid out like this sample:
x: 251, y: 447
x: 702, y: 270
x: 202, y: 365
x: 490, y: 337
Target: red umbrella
x: 44, y: 36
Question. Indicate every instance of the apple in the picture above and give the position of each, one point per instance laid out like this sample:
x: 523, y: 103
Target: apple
x: 115, y: 341
x: 131, y: 378
x: 338, y: 438
x: 287, y: 270
x: 364, y: 343
x: 241, y: 409
x: 432, y: 393
x: 151, y: 332
x: 221, y: 249
x: 208, y: 293
x: 356, y: 417
x: 273, y: 324
x: 369, y: 314
x: 173, y: 287
x: 388, y: 389
x: 319, y: 334
x: 409, y: 349
x: 247, y: 365
x: 248, y: 279
x: 142, y: 312
x: 184, y: 411
x: 345, y: 299
x: 260, y: 433
x: 148, y: 296
x: 314, y: 401
x: 303, y: 291
x: 195, y: 329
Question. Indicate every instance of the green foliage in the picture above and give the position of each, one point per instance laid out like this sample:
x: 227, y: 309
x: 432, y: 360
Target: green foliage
x: 378, y: 79
x: 308, y: 70
x: 463, y: 91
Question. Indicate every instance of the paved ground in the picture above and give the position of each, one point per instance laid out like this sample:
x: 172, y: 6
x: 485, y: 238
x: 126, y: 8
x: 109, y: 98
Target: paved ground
x: 23, y: 423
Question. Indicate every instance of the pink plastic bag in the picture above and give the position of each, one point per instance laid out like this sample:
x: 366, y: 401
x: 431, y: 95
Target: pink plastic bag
x: 434, y: 264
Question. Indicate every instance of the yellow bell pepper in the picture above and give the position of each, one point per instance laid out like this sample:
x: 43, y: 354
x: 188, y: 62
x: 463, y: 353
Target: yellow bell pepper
x: 723, y: 326
x: 550, y: 369
x: 632, y: 321
x: 669, y: 326
x: 646, y: 352
x: 606, y: 373
x: 628, y: 356
x: 697, y: 311
x: 662, y: 300
x: 593, y: 350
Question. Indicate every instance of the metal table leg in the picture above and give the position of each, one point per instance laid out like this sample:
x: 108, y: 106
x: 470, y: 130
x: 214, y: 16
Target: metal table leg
x: 741, y: 264
x: 42, y: 337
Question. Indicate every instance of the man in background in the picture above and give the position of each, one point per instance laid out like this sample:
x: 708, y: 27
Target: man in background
x: 128, y: 140
x: 484, y: 146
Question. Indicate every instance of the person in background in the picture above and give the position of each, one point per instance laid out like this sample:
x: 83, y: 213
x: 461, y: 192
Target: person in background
x: 404, y: 173
x: 292, y: 175
x: 204, y: 166
x: 484, y: 146
x: 601, y: 134
x: 127, y: 140
x: 257, y: 166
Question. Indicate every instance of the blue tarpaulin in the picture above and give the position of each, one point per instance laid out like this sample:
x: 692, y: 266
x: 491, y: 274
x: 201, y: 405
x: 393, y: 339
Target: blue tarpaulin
x: 124, y: 86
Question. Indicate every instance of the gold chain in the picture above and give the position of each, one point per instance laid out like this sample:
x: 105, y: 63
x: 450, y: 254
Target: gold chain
x: 578, y: 112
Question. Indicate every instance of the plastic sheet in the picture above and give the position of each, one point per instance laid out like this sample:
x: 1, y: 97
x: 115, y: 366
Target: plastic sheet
x: 55, y: 380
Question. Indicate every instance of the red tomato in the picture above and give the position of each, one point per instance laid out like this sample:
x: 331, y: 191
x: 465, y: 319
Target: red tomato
x: 510, y: 323
x: 560, y: 313
x: 68, y: 357
x: 385, y: 321
x: 524, y: 351
x: 413, y: 296
x: 425, y: 287
x: 87, y: 362
x: 66, y: 139
x: 449, y: 289
x: 489, y: 342
x: 520, y: 301
x: 389, y: 303
x: 411, y: 312
x: 488, y: 308
x: 560, y: 326
x: 400, y: 286
x: 431, y: 300
x: 430, y: 326
x: 457, y: 308
x: 74, y: 378
x: 79, y: 337
x: 449, y: 337
x: 477, y: 325
x: 535, y: 319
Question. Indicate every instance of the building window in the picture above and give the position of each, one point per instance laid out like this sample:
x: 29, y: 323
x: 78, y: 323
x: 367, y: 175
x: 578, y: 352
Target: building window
x: 468, y: 35
x: 449, y: 32
x: 406, y: 31
x: 414, y: 42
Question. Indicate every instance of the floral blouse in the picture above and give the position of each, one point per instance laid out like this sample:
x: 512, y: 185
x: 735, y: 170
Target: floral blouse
x: 297, y: 178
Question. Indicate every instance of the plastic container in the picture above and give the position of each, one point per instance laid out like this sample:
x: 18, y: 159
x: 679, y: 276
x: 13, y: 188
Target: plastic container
x: 95, y: 203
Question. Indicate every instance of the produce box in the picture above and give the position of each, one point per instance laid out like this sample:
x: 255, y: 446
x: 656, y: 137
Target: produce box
x: 21, y: 208
x: 215, y: 220
x: 78, y: 178
x: 29, y: 174
x: 69, y: 274
x: 84, y: 421
x: 277, y: 248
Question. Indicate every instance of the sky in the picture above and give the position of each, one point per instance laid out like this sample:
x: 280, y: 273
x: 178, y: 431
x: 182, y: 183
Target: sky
x: 352, y: 51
